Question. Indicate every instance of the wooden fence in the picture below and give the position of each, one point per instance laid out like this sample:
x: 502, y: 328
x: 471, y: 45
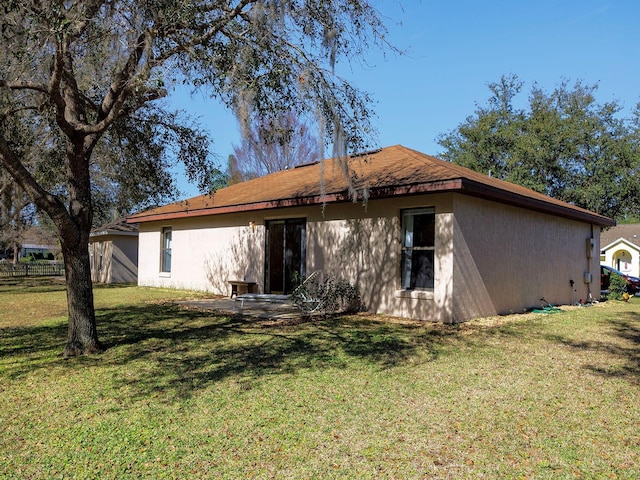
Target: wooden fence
x: 48, y: 269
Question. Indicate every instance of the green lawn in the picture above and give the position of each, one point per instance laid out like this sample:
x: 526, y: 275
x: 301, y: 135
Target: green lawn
x: 188, y: 394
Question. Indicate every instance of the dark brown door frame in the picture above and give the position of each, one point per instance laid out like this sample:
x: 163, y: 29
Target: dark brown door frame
x: 285, y: 254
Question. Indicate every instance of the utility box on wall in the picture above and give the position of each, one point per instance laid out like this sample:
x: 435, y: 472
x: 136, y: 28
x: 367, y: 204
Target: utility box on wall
x: 590, y: 248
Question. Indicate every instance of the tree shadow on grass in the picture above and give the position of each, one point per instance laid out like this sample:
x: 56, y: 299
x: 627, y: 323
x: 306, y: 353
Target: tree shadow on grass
x: 36, y: 342
x: 31, y: 285
x: 622, y: 343
x: 175, y: 352
x: 626, y: 346
x: 168, y: 352
x: 165, y: 351
x: 23, y: 349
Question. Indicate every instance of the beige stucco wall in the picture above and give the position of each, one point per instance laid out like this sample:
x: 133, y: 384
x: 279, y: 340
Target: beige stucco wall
x: 349, y: 241
x: 363, y: 245
x: 506, y: 259
x: 119, y: 258
x: 206, y: 253
x: 490, y: 258
x: 124, y: 259
x: 359, y: 244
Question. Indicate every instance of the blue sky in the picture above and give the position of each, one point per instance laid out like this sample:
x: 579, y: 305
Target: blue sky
x: 455, y: 48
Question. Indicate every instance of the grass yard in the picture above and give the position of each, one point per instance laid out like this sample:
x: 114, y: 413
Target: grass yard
x: 189, y: 394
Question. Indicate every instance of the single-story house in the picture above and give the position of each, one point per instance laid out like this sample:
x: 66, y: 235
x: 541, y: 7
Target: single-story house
x: 621, y: 248
x: 434, y: 241
x: 40, y: 252
x: 113, y: 252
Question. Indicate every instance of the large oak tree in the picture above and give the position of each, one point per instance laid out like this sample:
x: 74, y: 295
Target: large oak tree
x: 82, y: 83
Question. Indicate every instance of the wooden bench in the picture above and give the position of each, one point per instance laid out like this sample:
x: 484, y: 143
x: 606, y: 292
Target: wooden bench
x: 236, y: 284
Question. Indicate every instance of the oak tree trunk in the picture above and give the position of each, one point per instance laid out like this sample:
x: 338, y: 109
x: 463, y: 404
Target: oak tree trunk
x: 74, y: 232
x: 83, y: 334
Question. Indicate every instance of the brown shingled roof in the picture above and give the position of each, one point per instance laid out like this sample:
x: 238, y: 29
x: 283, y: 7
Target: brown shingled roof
x: 387, y: 172
x: 630, y: 232
x: 119, y: 226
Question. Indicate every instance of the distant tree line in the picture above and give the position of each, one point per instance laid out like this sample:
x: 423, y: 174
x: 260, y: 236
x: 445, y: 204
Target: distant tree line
x: 562, y: 143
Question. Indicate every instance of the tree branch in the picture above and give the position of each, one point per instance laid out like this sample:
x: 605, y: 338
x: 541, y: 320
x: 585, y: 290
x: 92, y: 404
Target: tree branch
x: 233, y: 13
x: 38, y: 87
x: 54, y: 92
x: 131, y: 76
x: 43, y: 199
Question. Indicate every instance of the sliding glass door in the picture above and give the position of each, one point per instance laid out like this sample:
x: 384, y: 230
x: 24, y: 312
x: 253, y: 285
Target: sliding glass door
x: 285, y: 254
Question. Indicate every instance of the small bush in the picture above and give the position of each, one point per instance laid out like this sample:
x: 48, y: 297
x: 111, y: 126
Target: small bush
x: 27, y: 258
x: 617, y: 287
x: 326, y: 295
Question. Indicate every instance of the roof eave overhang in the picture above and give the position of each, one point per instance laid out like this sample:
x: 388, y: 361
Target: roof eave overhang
x: 340, y: 197
x: 246, y: 207
x: 103, y: 233
x: 461, y: 185
x: 478, y: 189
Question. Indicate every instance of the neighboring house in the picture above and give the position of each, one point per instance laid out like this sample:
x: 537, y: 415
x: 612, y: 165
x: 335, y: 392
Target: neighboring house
x: 113, y: 252
x: 35, y: 243
x: 43, y: 251
x: 621, y: 248
x: 434, y: 241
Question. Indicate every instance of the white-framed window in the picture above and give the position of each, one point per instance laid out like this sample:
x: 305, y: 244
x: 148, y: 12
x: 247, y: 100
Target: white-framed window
x: 165, y: 251
x: 418, y: 248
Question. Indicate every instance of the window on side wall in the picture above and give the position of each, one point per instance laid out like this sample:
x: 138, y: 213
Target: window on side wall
x: 418, y: 246
x: 165, y: 254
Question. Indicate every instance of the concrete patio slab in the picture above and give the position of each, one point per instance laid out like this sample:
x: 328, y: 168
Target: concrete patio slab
x: 255, y: 309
